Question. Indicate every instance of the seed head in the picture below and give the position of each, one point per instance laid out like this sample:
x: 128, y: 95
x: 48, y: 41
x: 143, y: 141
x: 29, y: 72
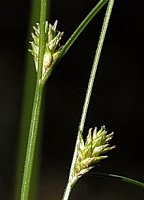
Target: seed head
x: 52, y: 38
x: 92, y: 150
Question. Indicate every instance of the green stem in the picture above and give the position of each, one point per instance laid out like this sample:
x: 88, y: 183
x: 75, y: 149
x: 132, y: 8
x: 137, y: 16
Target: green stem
x: 42, y: 38
x: 82, y: 26
x: 88, y: 95
x: 33, y: 132
x: 76, y: 34
x: 123, y: 178
x: 31, y: 143
x: 95, y: 63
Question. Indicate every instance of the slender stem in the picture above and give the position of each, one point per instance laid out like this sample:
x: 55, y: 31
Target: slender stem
x: 88, y: 94
x: 33, y: 132
x: 42, y: 37
x: 31, y: 143
x: 123, y: 178
x: 76, y: 34
x: 82, y: 26
x: 68, y: 190
x: 92, y: 76
x: 95, y: 63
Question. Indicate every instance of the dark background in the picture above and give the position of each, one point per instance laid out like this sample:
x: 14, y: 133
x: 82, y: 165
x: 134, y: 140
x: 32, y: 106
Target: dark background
x: 117, y: 99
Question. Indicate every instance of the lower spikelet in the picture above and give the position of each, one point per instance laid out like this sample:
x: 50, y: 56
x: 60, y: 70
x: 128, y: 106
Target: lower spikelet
x: 92, y: 150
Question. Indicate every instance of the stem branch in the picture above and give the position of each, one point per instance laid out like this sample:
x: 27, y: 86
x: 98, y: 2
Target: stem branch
x: 76, y: 34
x: 88, y: 95
x: 82, y: 26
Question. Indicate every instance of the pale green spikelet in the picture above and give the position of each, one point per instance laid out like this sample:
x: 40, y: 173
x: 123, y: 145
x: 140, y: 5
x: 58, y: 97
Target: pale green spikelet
x: 91, y: 151
x: 52, y: 37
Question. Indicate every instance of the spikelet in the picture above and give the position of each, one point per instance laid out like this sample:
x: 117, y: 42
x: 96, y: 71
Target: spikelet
x: 52, y: 37
x: 91, y: 151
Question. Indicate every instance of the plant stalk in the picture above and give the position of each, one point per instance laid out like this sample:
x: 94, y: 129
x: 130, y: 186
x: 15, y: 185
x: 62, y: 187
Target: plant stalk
x: 33, y: 132
x: 76, y: 34
x: 31, y: 143
x: 42, y: 38
x: 82, y: 26
x: 69, y: 186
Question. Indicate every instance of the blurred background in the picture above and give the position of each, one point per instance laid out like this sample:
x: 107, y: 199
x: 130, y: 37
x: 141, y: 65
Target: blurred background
x: 117, y: 99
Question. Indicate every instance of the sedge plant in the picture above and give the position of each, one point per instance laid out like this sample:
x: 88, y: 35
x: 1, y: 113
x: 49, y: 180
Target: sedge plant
x: 47, y: 54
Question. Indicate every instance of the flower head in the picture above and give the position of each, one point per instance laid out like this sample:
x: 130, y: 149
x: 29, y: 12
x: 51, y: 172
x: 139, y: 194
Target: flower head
x: 52, y: 37
x: 92, y: 150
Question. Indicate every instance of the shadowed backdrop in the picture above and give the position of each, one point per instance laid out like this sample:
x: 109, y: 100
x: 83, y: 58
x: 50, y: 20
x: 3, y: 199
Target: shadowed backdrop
x: 117, y: 99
